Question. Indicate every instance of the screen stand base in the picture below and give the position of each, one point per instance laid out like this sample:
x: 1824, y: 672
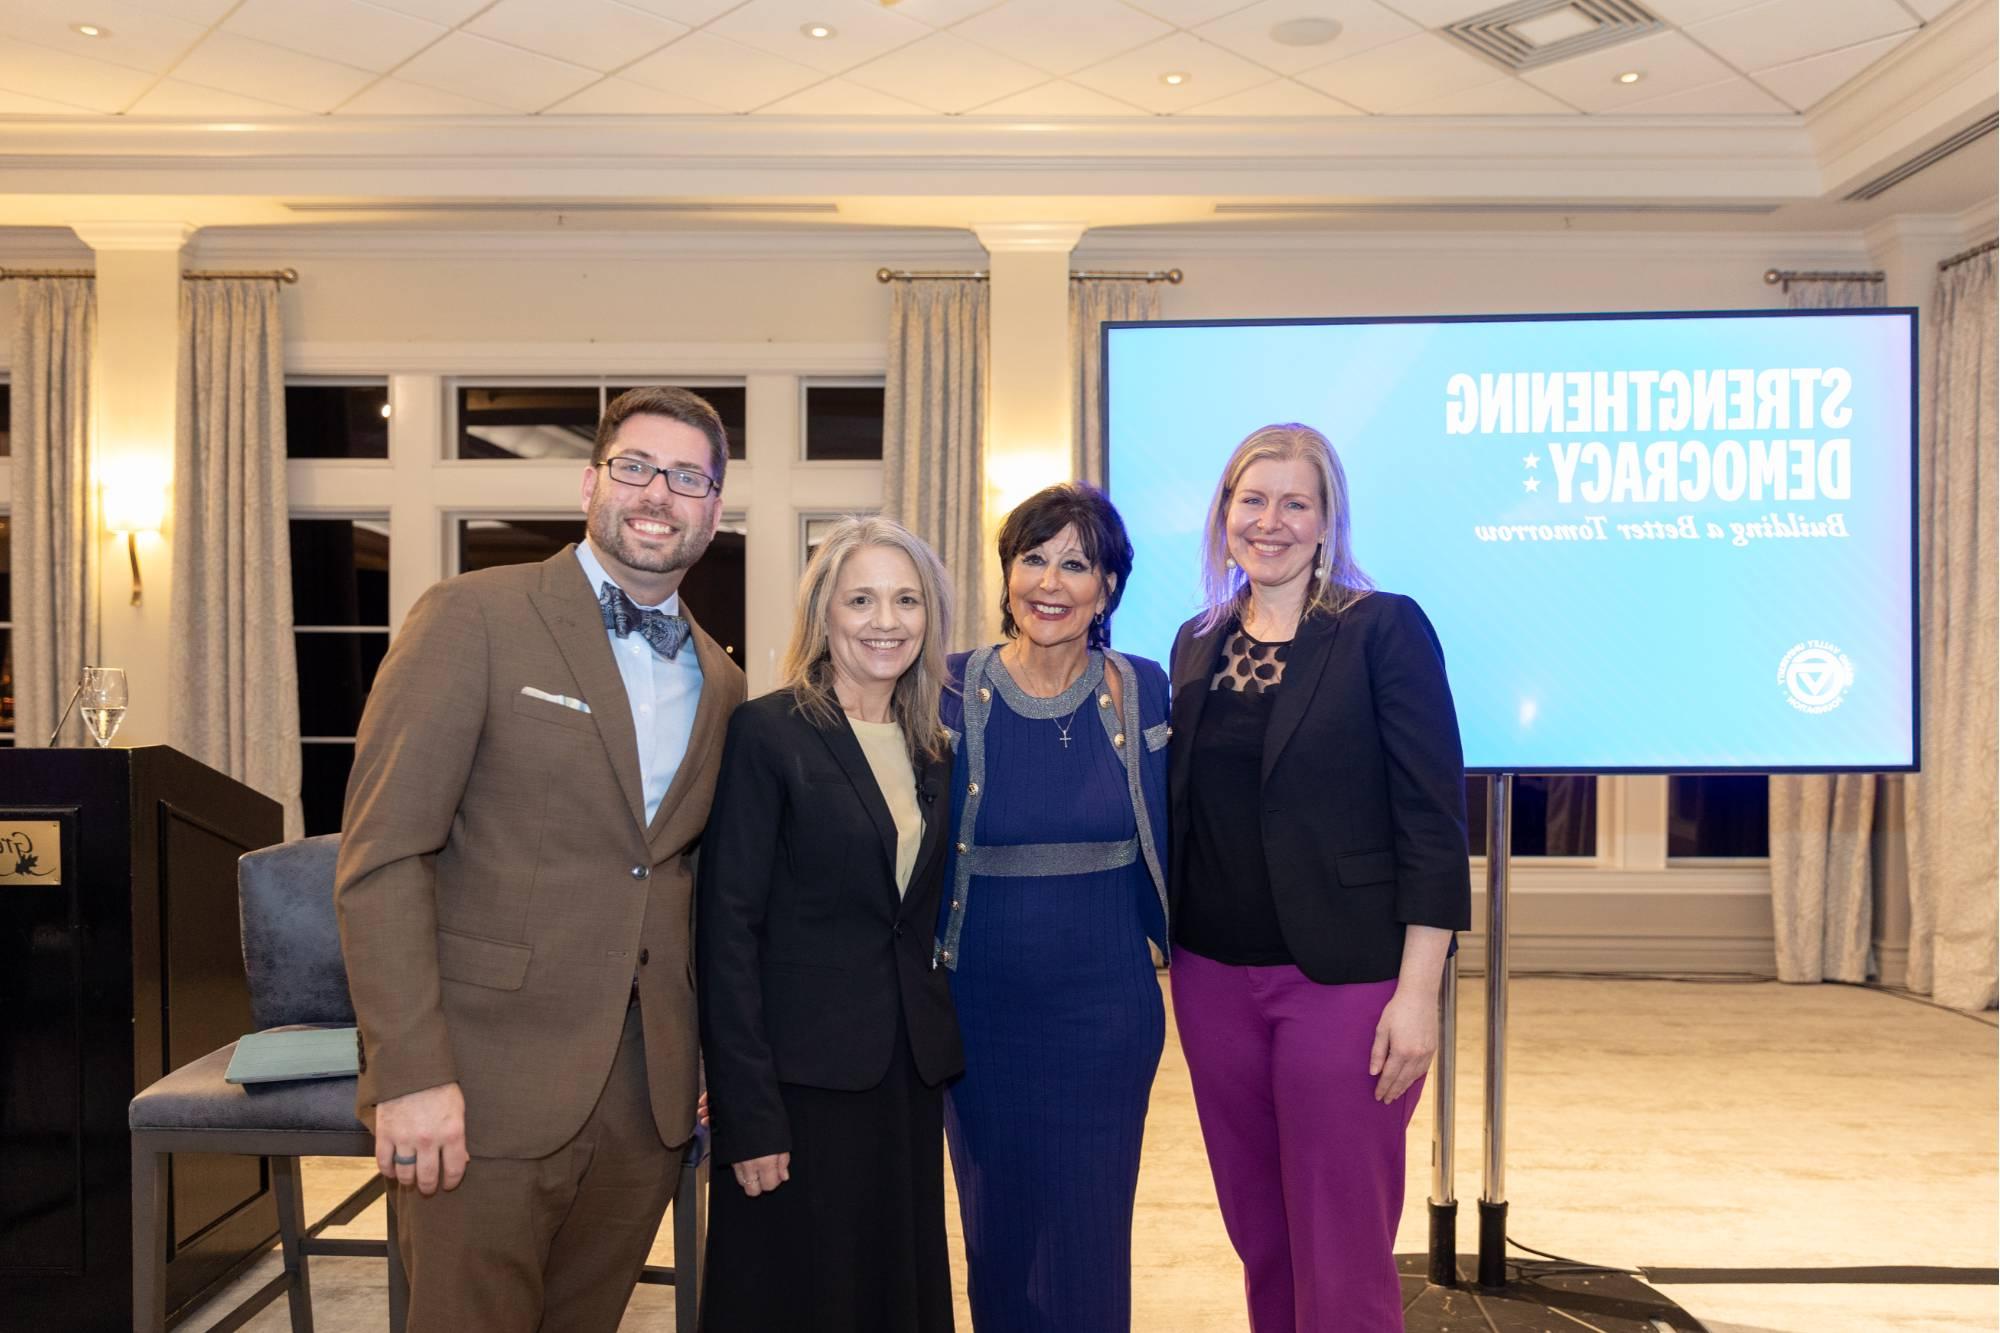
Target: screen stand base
x: 1537, y: 1296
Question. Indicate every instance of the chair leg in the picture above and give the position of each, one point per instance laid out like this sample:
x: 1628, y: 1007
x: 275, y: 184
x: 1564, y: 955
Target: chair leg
x: 291, y: 1232
x: 399, y: 1281
x: 690, y: 1243
x: 149, y: 1237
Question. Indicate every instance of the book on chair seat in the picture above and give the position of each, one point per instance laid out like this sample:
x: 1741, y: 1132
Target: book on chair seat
x: 294, y: 1053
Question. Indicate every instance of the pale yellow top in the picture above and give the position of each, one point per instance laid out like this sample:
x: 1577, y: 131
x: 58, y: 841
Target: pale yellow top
x: 889, y: 759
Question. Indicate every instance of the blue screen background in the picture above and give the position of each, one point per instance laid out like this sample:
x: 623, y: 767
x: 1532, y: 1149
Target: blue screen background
x: 1600, y: 655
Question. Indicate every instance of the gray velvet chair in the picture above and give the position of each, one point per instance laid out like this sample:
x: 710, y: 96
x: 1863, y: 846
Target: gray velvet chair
x: 291, y: 955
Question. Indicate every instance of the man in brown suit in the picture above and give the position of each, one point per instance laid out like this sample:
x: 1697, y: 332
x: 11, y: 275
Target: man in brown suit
x: 515, y: 893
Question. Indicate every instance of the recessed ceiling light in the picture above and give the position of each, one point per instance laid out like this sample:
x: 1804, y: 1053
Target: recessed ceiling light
x: 1305, y: 32
x: 89, y: 30
x: 1630, y: 76
x: 1174, y: 78
x: 817, y: 31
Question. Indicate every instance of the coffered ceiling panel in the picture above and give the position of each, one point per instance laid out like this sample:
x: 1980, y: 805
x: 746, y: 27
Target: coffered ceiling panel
x: 58, y: 76
x: 349, y: 31
x: 1282, y: 98
x: 171, y: 97
x: 1733, y: 96
x: 1059, y: 97
x: 398, y: 97
x: 624, y: 97
x: 1803, y: 83
x: 1502, y: 97
x: 1389, y: 78
x: 859, y: 32
x: 838, y: 97
x: 271, y: 73
x: 1256, y: 33
x: 722, y: 73
x: 1060, y: 36
x: 1141, y: 76
x: 597, y: 34
x: 1666, y: 63
x: 1779, y: 31
x: 490, y: 71
x: 140, y: 38
x: 947, y: 73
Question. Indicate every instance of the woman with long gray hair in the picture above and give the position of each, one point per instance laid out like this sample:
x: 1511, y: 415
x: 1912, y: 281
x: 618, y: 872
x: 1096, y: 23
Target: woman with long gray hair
x: 826, y: 1032
x: 1319, y: 870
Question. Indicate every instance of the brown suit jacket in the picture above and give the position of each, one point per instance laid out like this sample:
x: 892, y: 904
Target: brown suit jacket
x: 498, y: 887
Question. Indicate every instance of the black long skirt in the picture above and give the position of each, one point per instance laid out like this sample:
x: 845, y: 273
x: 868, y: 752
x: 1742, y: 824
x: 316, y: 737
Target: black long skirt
x: 854, y: 1241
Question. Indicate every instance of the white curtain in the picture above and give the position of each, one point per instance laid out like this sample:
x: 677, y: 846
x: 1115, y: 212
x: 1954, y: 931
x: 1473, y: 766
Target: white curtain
x: 933, y: 427
x: 1821, y: 892
x: 232, y: 665
x: 1092, y: 301
x: 53, y: 533
x: 1950, y: 806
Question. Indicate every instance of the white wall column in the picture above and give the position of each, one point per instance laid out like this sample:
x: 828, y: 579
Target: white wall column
x: 135, y: 379
x: 1028, y: 413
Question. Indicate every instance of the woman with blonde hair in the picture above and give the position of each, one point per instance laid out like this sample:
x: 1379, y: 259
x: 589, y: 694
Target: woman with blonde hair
x: 1319, y: 870
x: 826, y: 1033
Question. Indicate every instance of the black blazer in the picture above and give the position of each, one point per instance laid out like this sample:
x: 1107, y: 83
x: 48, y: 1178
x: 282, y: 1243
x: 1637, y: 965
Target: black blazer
x: 1363, y: 810
x: 805, y: 958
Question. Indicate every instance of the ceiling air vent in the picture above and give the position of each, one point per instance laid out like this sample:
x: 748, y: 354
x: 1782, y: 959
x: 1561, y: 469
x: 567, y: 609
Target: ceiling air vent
x: 1930, y: 157
x: 1537, y: 32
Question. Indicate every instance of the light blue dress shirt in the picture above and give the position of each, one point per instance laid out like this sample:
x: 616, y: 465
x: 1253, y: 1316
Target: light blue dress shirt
x: 664, y: 695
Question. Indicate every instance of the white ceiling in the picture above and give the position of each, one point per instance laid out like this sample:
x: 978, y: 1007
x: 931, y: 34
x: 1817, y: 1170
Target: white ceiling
x: 247, y: 59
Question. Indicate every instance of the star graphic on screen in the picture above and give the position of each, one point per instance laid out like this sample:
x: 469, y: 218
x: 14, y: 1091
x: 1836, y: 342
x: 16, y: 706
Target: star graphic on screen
x: 1532, y: 484
x: 1531, y: 460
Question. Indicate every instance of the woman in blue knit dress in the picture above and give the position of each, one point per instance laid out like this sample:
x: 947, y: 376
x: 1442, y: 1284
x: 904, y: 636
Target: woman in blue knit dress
x: 1056, y: 882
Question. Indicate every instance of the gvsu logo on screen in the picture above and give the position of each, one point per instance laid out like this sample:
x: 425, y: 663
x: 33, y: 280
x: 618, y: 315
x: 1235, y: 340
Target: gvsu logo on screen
x: 1816, y: 676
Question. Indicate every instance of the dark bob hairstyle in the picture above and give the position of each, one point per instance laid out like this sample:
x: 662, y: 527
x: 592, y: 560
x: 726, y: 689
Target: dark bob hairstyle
x: 1099, y: 531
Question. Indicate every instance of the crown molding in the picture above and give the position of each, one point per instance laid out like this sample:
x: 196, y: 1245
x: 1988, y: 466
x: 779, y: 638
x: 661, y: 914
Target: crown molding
x: 1165, y: 244
x: 1931, y: 86
x: 1766, y: 159
x: 151, y: 237
x: 873, y: 246
x: 513, y: 359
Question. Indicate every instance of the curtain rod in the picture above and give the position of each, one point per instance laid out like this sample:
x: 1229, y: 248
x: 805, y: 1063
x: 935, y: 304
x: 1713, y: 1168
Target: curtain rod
x: 1172, y: 275
x: 1785, y: 277
x: 192, y: 275
x: 1973, y: 253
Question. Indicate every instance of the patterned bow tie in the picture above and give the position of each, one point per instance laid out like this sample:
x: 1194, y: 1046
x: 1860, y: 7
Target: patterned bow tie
x: 622, y: 615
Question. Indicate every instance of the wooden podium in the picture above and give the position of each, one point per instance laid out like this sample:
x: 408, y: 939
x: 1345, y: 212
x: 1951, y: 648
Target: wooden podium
x: 120, y: 960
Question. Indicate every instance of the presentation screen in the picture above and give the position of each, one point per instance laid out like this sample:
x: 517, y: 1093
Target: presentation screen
x: 1650, y: 543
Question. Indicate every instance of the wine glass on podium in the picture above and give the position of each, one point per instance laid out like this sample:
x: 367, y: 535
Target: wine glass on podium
x: 101, y: 699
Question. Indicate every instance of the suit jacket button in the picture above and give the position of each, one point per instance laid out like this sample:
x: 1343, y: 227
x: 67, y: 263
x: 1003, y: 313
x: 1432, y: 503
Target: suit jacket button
x: 972, y: 789
x: 643, y: 956
x: 961, y: 849
x: 641, y: 872
x: 899, y: 930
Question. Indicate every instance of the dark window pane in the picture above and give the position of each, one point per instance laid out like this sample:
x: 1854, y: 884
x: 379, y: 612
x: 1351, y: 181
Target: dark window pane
x: 336, y: 671
x: 843, y: 422
x: 6, y: 420
x: 323, y: 784
x: 486, y: 542
x: 1553, y: 816
x: 713, y: 588
x: 7, y: 685
x: 340, y: 572
x: 1719, y: 816
x: 337, y: 420
x: 728, y: 400
x: 6, y: 568
x: 548, y: 421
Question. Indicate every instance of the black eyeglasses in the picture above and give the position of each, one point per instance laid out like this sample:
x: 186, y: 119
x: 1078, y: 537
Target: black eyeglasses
x: 680, y: 480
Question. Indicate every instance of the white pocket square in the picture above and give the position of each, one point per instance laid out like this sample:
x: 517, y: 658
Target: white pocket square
x: 563, y: 699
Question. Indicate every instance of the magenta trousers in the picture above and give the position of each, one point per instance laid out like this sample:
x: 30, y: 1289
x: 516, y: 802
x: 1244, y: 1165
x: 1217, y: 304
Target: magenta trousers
x: 1308, y: 1165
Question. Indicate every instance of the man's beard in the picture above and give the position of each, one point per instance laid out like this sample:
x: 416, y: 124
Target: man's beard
x: 607, y: 525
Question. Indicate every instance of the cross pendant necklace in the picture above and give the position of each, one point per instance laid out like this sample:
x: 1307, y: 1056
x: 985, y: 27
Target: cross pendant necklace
x: 1063, y: 726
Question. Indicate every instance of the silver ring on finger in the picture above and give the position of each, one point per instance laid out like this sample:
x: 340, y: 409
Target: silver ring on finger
x: 401, y: 1160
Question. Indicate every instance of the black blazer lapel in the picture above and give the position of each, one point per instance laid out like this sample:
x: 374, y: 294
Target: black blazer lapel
x: 1191, y: 669
x: 1304, y: 666
x: 933, y: 780
x: 568, y: 605
x: 847, y: 753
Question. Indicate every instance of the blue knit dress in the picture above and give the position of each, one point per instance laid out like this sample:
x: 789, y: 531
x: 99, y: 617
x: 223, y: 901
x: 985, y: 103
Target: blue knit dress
x: 1061, y: 1017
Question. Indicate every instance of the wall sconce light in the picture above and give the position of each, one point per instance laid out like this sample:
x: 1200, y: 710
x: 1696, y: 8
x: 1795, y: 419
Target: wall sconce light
x: 133, y: 507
